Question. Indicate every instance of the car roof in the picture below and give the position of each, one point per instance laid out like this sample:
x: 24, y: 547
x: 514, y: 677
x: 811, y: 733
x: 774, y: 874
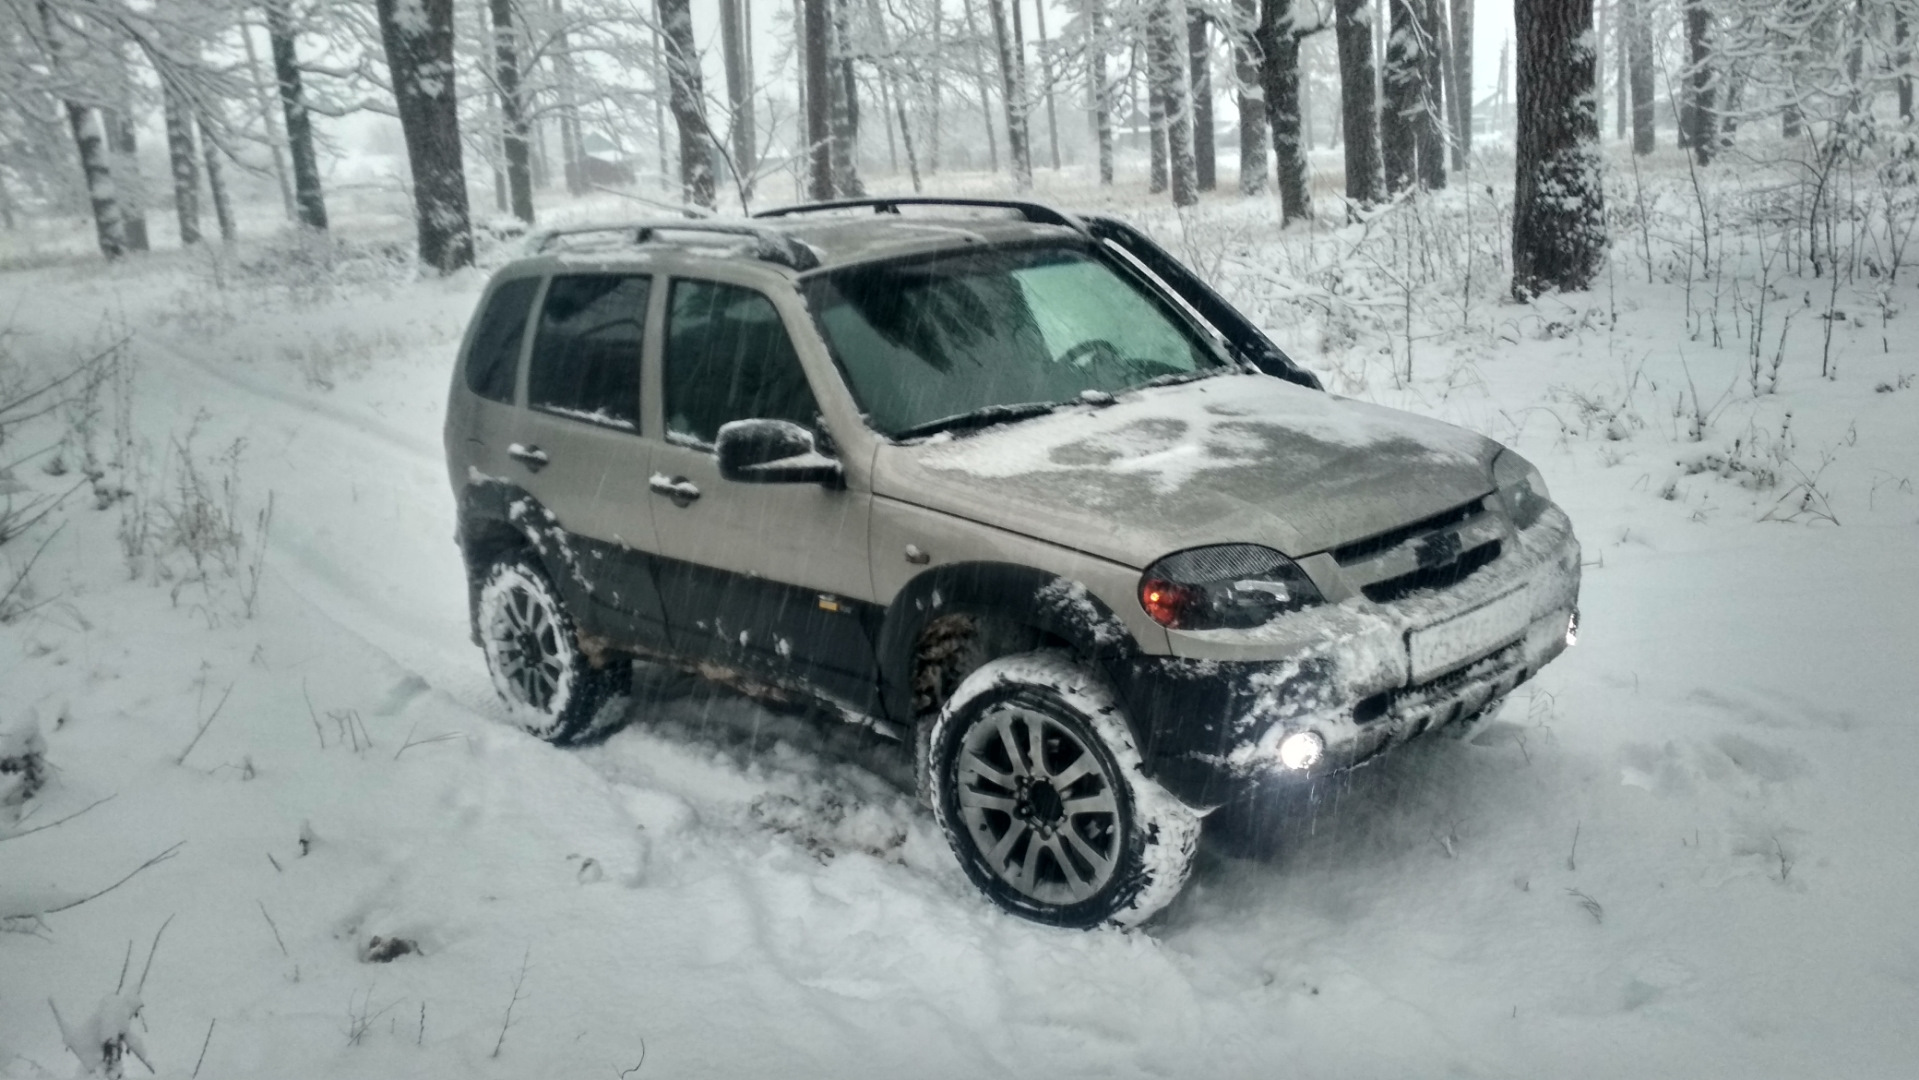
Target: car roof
x: 813, y: 237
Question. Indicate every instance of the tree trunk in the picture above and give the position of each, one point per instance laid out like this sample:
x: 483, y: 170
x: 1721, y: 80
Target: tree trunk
x: 572, y: 148
x: 1699, y: 103
x: 286, y: 69
x: 1622, y: 66
x: 1559, y: 230
x: 89, y: 138
x: 843, y: 103
x: 1639, y: 73
x: 1279, y: 82
x: 1046, y: 80
x: 1012, y: 75
x: 819, y: 137
x: 985, y: 90
x: 1355, y: 39
x: 689, y: 114
x: 89, y: 142
x: 506, y: 74
x: 891, y: 85
x: 1199, y: 53
x: 1432, y: 126
x: 933, y: 95
x: 182, y: 162
x: 739, y: 94
x: 217, y: 185
x: 1156, y: 173
x: 1399, y: 116
x: 275, y: 142
x: 124, y: 148
x: 660, y: 97
x: 1170, y: 69
x: 1902, y: 37
x: 1102, y: 90
x: 1459, y: 88
x: 419, y: 56
x: 1249, y: 73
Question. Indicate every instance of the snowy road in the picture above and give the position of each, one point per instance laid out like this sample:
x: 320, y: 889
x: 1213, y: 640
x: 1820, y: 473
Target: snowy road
x: 1730, y: 746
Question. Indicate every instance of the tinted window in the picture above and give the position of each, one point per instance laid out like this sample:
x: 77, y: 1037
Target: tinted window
x: 728, y: 358
x: 926, y: 339
x: 586, y: 357
x: 494, y: 359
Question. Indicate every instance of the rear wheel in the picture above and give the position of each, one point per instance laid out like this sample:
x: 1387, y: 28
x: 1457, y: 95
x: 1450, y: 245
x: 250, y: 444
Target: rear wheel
x: 551, y: 688
x: 1041, y: 794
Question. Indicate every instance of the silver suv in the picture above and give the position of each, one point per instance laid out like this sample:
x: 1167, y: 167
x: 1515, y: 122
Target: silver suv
x: 1009, y: 488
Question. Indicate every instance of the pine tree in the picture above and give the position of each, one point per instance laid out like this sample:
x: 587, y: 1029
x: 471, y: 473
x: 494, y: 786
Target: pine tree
x: 819, y: 148
x: 286, y: 69
x: 419, y: 55
x: 1012, y: 73
x: 1404, y: 84
x: 1254, y: 149
x: 689, y: 112
x: 1279, y: 37
x: 1559, y: 231
x: 1354, y: 29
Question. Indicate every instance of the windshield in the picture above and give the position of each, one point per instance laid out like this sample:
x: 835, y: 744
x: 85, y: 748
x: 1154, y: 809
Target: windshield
x: 928, y: 339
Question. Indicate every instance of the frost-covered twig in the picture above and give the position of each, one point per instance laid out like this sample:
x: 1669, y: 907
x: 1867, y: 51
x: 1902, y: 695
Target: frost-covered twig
x: 154, y: 948
x: 507, y: 1021
x: 275, y: 928
x: 204, y: 725
x: 445, y: 736
x: 4, y: 837
x: 204, y: 1043
x: 135, y: 872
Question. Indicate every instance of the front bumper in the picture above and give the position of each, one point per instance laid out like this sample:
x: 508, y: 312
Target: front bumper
x: 1364, y: 676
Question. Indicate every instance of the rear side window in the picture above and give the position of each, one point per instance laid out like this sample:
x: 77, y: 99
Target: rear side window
x: 495, y: 356
x: 586, y: 355
x: 728, y: 358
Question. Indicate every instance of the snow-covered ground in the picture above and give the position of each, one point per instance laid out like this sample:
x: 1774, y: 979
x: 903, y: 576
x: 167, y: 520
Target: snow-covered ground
x: 1690, y: 848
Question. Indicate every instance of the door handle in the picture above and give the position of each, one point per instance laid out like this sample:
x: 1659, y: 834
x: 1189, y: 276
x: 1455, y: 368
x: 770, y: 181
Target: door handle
x: 682, y: 491
x: 532, y: 457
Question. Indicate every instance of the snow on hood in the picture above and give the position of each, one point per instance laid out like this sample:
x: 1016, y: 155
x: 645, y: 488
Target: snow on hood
x: 1233, y: 458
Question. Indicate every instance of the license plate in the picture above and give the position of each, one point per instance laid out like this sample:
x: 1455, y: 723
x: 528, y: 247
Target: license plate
x: 1438, y: 649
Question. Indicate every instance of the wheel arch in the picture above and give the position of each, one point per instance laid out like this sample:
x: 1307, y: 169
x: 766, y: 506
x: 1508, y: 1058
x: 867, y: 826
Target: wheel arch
x: 1056, y: 611
x: 496, y: 519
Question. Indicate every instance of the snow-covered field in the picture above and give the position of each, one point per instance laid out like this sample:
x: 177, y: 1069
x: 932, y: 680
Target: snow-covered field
x: 1690, y: 848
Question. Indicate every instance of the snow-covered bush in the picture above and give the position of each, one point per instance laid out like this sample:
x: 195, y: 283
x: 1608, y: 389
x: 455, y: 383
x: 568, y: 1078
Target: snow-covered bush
x: 184, y: 524
x: 23, y: 766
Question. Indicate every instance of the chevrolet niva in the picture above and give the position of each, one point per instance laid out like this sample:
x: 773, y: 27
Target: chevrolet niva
x: 1012, y: 489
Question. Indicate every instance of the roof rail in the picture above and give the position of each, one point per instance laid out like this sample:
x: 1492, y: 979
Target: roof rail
x: 770, y: 245
x: 1037, y: 213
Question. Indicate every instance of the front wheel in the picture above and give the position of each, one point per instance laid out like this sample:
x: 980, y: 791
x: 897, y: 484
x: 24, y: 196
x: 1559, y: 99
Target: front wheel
x: 551, y: 688
x: 1041, y: 794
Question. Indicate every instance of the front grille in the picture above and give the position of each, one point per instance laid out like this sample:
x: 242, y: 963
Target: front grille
x: 1493, y: 668
x: 1432, y: 577
x: 1386, y: 541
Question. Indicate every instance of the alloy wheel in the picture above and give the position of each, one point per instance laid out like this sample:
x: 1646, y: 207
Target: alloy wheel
x: 1039, y: 805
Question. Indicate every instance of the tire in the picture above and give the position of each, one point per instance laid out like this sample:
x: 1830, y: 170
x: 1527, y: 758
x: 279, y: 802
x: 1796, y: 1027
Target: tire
x: 1075, y: 835
x: 558, y: 696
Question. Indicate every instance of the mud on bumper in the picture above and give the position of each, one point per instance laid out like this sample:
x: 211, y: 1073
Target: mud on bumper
x: 1209, y: 729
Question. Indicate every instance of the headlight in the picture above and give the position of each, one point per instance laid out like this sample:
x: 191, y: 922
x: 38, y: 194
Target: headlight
x: 1521, y: 487
x: 1230, y: 586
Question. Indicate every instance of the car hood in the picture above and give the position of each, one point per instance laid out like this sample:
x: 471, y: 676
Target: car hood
x: 1234, y: 458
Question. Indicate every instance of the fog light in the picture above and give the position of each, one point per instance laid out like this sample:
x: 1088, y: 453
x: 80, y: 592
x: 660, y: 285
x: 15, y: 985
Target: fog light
x: 1572, y: 629
x: 1301, y: 750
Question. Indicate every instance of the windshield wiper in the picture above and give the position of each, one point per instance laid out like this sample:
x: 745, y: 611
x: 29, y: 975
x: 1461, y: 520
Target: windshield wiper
x: 1175, y: 378
x: 977, y: 418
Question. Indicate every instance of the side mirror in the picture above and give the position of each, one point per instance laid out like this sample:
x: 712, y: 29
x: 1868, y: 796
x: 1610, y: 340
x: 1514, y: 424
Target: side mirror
x: 773, y: 452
